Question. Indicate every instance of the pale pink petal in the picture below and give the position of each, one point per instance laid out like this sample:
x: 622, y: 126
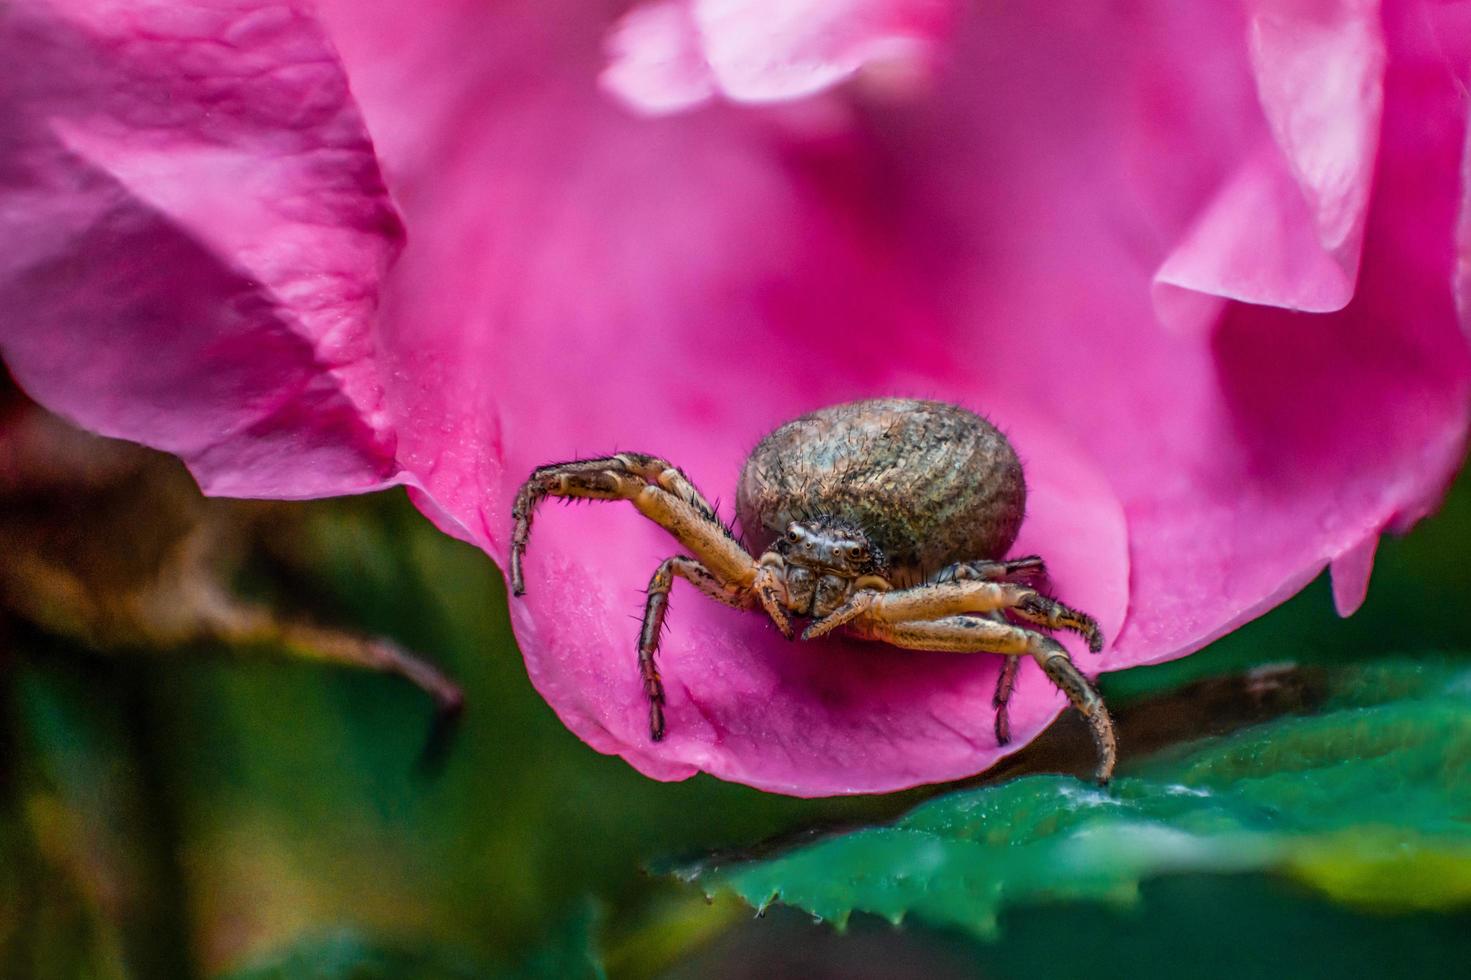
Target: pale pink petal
x: 1319, y: 69
x: 671, y: 54
x: 655, y: 61
x: 195, y: 230
x: 770, y: 50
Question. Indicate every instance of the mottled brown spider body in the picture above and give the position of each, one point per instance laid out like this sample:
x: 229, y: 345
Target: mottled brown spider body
x: 888, y: 518
x: 929, y: 484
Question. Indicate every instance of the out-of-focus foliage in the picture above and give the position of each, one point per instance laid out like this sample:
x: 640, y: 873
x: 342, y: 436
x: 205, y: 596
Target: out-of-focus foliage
x: 568, y: 954
x: 111, y: 546
x: 210, y: 810
x: 204, y: 808
x: 348, y: 955
x: 1366, y: 802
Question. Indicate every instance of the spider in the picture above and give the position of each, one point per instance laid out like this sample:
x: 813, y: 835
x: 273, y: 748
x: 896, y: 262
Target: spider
x: 886, y: 518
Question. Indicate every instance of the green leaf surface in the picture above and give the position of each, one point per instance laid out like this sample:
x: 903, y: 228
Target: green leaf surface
x: 1366, y: 802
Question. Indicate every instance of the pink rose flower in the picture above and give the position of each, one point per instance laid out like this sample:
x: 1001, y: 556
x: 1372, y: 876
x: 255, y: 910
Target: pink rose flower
x: 1201, y: 262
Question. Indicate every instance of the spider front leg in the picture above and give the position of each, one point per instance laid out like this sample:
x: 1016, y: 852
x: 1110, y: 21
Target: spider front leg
x: 658, y: 489
x: 720, y: 568
x: 959, y: 597
x: 969, y: 634
x: 1028, y: 568
x: 655, y: 606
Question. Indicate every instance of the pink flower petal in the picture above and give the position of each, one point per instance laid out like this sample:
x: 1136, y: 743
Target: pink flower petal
x: 1346, y: 424
x: 699, y: 292
x: 671, y: 54
x: 195, y: 228
x: 1249, y: 456
x: 1255, y: 242
x: 1350, y: 572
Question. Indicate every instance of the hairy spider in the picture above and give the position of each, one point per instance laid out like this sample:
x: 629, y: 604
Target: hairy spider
x: 887, y: 518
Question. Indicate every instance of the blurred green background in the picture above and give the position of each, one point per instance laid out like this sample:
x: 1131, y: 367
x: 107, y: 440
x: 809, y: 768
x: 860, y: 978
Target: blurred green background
x: 219, y: 812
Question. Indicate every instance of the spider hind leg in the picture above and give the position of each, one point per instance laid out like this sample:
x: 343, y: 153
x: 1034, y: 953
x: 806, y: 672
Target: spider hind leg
x: 1005, y: 684
x: 972, y: 634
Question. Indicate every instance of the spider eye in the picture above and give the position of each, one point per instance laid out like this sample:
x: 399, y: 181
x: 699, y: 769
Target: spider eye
x: 792, y: 535
x: 858, y: 552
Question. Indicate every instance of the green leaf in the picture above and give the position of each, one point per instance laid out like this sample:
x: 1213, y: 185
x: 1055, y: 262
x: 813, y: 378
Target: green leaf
x: 1367, y: 802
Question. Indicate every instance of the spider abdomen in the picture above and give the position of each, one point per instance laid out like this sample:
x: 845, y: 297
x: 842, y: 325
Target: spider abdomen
x: 929, y: 483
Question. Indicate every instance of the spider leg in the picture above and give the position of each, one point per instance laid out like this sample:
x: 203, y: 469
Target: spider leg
x: 942, y: 599
x: 656, y: 488
x: 655, y: 607
x: 1005, y: 684
x: 1029, y: 568
x: 771, y: 591
x: 970, y: 634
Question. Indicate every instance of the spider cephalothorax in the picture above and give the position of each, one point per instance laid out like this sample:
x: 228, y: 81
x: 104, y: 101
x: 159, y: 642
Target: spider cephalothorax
x: 823, y: 561
x: 917, y: 503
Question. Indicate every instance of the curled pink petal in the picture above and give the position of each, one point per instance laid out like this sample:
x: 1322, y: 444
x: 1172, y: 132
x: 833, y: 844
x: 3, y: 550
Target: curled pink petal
x: 1255, y: 243
x: 1285, y: 229
x: 196, y: 228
